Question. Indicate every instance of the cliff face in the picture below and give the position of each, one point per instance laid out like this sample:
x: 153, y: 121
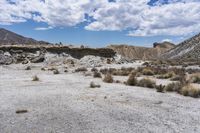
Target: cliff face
x: 74, y: 52
x: 188, y: 49
x: 142, y: 53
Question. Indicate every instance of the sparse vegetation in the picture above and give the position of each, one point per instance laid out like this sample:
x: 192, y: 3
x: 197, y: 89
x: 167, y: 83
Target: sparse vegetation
x: 97, y: 75
x: 43, y: 69
x: 195, y: 78
x: 81, y: 69
x: 175, y: 86
x: 35, y: 78
x: 94, y: 69
x: 28, y: 68
x: 160, y: 88
x: 147, y: 71
x: 56, y: 71
x: 146, y: 82
x: 167, y: 75
x: 108, y: 78
x: 132, y: 81
x: 93, y: 85
x: 190, y: 90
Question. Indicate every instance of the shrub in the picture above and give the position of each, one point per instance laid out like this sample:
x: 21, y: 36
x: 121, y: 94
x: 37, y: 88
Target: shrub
x: 176, y: 78
x: 147, y: 71
x: 167, y: 75
x: 108, y: 78
x: 160, y: 88
x: 81, y: 69
x: 97, y: 75
x: 28, y: 68
x: 191, y: 91
x: 35, y: 78
x: 195, y: 78
x: 175, y: 86
x: 56, y: 71
x: 94, y: 69
x: 146, y: 82
x: 93, y: 85
x: 132, y: 81
x: 43, y: 69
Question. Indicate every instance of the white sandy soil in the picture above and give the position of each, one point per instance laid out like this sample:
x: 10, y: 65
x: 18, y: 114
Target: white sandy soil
x: 64, y: 103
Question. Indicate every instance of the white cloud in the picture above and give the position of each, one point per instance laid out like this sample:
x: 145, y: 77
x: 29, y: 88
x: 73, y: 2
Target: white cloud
x: 176, y: 17
x: 43, y: 28
x: 166, y: 40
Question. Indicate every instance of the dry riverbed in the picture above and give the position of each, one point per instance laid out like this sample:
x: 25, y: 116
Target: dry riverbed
x: 65, y: 103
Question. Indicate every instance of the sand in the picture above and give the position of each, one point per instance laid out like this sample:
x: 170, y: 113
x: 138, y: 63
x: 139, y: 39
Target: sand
x: 64, y: 103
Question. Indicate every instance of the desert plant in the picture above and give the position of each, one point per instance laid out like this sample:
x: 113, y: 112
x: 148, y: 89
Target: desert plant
x: 175, y: 86
x: 43, y: 69
x: 93, y: 85
x: 56, y: 71
x: 147, y: 71
x: 146, y: 82
x: 195, y: 78
x: 191, y: 91
x: 94, y: 69
x: 35, y: 78
x: 108, y: 78
x: 97, y: 75
x: 160, y: 88
x: 28, y: 68
x: 81, y: 69
x: 132, y: 81
x: 176, y: 78
x: 167, y: 75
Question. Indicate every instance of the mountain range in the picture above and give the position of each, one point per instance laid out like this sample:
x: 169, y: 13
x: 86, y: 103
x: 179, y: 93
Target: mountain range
x: 188, y: 49
x: 10, y: 38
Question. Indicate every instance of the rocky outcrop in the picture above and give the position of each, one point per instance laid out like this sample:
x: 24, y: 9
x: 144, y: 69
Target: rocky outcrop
x: 36, y: 54
x: 144, y: 53
x: 189, y: 49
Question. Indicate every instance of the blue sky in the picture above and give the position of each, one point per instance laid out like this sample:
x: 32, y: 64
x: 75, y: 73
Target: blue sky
x: 99, y: 24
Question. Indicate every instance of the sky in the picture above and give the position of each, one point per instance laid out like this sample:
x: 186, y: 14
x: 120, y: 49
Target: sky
x: 98, y: 23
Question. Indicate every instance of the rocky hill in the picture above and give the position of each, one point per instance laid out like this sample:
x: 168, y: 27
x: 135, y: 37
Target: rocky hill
x: 134, y: 52
x: 189, y: 49
x: 11, y: 38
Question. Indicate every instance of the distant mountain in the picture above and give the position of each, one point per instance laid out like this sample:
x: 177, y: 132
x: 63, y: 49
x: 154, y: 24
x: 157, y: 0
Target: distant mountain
x: 8, y: 37
x: 189, y: 49
x: 144, y: 53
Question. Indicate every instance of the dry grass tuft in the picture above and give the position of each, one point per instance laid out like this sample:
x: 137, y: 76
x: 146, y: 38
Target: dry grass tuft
x: 191, y: 91
x: 195, y: 78
x: 132, y: 80
x: 56, y: 71
x: 148, y: 72
x: 97, y: 75
x: 167, y: 75
x: 175, y: 86
x: 81, y: 69
x: 28, y: 68
x: 35, y: 78
x: 160, y: 88
x: 146, y: 82
x: 93, y: 85
x: 108, y: 78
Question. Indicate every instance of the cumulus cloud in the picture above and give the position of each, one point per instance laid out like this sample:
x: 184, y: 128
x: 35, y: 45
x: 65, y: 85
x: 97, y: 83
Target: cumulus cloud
x: 137, y: 17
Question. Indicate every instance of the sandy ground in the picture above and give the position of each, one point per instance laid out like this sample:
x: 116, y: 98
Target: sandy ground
x: 64, y: 103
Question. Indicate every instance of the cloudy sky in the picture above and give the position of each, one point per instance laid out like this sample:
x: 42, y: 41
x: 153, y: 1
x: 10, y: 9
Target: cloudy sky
x: 101, y: 22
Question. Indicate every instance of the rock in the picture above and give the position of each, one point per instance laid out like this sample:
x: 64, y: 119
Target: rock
x: 5, y: 60
x: 38, y: 59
